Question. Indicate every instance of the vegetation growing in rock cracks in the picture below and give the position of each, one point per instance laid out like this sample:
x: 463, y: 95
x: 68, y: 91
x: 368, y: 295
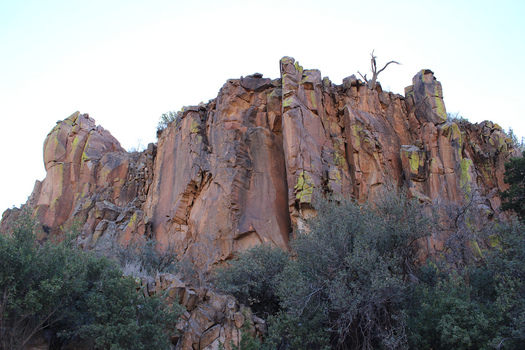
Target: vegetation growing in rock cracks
x: 353, y: 281
x: 73, y: 296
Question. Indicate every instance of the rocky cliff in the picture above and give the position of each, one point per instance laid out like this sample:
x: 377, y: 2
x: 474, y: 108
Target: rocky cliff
x: 243, y: 168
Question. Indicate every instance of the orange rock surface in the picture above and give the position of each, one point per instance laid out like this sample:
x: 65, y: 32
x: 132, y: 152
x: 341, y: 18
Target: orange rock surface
x: 242, y: 169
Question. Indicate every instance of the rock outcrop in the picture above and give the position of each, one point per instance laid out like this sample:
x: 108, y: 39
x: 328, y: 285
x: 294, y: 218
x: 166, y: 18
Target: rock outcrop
x: 244, y: 168
x: 210, y: 320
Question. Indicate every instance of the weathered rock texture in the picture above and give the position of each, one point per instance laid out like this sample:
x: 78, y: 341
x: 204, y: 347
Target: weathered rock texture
x: 242, y: 169
x: 210, y: 319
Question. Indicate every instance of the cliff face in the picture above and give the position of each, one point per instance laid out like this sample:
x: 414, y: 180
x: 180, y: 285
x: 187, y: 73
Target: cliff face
x: 242, y: 169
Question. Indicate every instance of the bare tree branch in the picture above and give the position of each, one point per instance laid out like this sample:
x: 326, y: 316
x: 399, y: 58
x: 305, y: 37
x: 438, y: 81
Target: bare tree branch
x: 373, y: 64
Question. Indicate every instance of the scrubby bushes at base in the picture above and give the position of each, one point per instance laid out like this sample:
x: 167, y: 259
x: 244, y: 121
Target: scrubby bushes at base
x: 478, y: 306
x: 75, y: 295
x: 345, y: 282
x: 352, y: 281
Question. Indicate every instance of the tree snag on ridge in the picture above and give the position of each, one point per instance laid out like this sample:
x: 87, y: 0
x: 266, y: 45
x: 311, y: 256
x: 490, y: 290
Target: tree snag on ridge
x: 372, y: 83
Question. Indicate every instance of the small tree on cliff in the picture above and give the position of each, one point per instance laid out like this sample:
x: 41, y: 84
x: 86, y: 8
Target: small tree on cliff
x: 372, y: 82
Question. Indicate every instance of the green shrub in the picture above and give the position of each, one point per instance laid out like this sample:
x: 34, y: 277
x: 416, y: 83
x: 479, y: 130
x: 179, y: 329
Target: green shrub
x: 514, y: 197
x: 74, y: 295
x: 350, y: 272
x: 519, y: 144
x: 146, y: 257
x: 507, y: 263
x: 167, y: 118
x: 456, y: 118
x: 448, y: 316
x: 289, y: 331
x: 121, y: 318
x: 251, y: 278
x: 477, y: 306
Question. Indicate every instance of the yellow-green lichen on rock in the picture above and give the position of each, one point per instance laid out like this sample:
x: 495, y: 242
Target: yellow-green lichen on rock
x: 133, y: 220
x: 335, y: 182
x: 464, y: 177
x: 451, y: 131
x: 440, y: 109
x: 340, y: 160
x: 313, y: 99
x: 85, y: 157
x: 335, y: 175
x: 304, y: 189
x: 355, y: 130
x: 72, y: 118
x: 75, y: 143
x: 195, y: 127
x: 298, y: 67
x: 287, y: 102
x: 413, y: 158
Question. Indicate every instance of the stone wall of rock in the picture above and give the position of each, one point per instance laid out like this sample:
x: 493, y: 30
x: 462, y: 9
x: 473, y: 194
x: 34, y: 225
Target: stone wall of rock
x: 244, y: 168
x: 210, y: 319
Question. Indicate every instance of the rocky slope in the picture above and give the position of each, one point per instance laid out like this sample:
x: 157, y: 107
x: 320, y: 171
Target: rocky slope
x: 243, y: 168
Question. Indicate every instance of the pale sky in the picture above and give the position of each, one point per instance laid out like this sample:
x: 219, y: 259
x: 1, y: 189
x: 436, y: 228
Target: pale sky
x: 127, y: 62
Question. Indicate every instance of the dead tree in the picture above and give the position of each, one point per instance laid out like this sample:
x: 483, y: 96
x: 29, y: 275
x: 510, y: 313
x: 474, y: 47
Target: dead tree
x: 372, y: 83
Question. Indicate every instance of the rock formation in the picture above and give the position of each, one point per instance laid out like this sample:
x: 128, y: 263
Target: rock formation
x: 244, y: 168
x: 210, y: 319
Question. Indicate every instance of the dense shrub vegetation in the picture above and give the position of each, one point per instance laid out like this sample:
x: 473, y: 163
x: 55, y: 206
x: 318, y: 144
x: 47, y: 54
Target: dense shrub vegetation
x: 353, y: 281
x: 252, y: 278
x: 145, y: 257
x: 514, y: 198
x: 75, y: 296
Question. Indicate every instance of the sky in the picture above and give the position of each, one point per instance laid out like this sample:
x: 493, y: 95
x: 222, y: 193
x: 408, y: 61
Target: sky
x: 127, y: 62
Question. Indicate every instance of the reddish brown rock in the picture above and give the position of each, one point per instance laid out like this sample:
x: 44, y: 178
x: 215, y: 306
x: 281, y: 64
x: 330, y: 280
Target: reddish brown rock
x: 242, y: 169
x: 92, y: 181
x: 227, y: 157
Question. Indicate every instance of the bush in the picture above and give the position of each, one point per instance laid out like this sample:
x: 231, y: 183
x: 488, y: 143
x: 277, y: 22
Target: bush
x: 514, y: 198
x: 351, y: 269
x: 519, y: 144
x: 74, y: 295
x: 165, y: 119
x: 121, y: 318
x: 38, y: 284
x: 477, y: 306
x: 447, y: 316
x: 145, y: 257
x: 345, y: 284
x: 456, y: 118
x: 507, y: 264
x: 251, y: 278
